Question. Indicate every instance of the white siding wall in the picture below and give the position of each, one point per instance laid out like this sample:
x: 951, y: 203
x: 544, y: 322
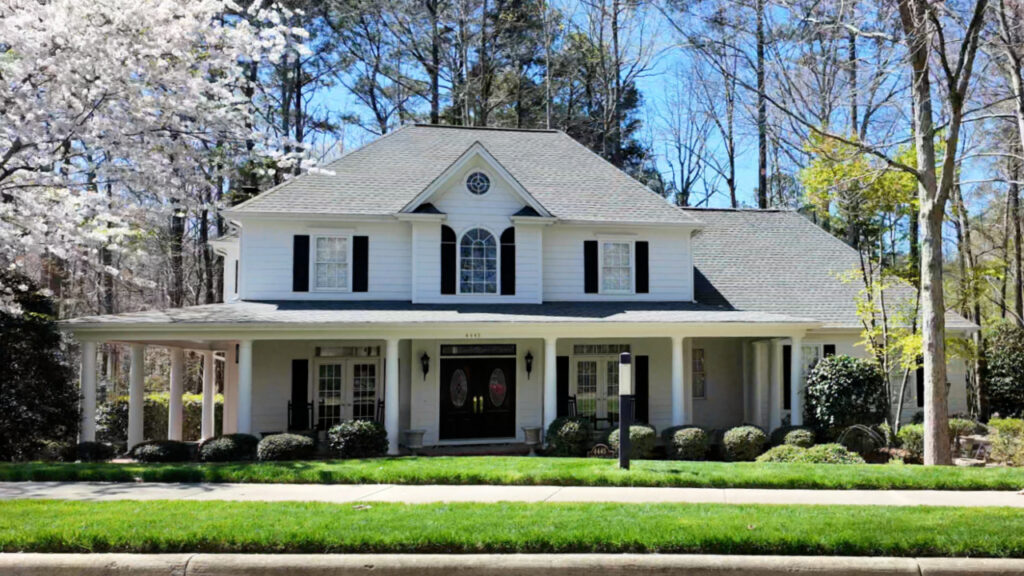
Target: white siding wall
x: 230, y: 261
x: 671, y: 275
x: 267, y: 260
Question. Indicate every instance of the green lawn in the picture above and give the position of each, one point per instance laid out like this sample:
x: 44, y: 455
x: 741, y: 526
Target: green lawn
x: 288, y: 527
x: 551, y: 471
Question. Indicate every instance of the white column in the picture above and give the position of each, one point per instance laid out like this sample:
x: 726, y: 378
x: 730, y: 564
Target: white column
x: 209, y: 367
x: 244, y: 392
x: 391, y: 394
x: 550, y: 381
x: 679, y: 414
x: 775, y: 398
x: 796, y: 388
x: 761, y: 382
x: 87, y: 429
x: 175, y: 413
x: 229, y: 417
x: 136, y: 394
x: 687, y: 380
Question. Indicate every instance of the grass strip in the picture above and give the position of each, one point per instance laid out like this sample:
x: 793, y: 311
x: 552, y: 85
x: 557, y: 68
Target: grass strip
x: 291, y: 527
x: 537, y: 471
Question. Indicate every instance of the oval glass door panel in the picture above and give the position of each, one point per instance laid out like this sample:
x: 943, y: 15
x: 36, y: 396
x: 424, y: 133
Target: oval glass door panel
x: 497, y: 387
x: 458, y: 388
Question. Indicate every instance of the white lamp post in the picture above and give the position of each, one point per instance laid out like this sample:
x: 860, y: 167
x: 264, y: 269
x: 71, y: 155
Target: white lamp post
x: 626, y: 399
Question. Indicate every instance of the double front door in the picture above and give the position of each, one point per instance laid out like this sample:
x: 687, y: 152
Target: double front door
x: 595, y: 384
x: 346, y: 389
x: 478, y: 398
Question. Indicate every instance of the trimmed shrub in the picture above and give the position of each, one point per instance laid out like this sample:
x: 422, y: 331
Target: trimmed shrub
x: 689, y: 443
x: 161, y: 451
x: 641, y: 440
x: 229, y: 448
x: 782, y: 453
x: 843, y: 391
x: 830, y: 454
x: 911, y: 439
x: 93, y: 452
x: 1004, y: 375
x: 278, y: 447
x: 359, y: 439
x: 569, y: 436
x: 743, y: 443
x: 779, y: 435
x: 1008, y: 440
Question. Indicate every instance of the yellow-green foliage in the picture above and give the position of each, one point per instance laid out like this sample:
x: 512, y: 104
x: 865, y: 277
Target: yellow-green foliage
x: 1008, y: 440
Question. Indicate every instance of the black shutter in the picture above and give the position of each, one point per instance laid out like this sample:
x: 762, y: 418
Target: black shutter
x: 508, y: 261
x: 787, y: 378
x: 447, y: 260
x: 300, y: 399
x: 300, y: 264
x: 642, y: 269
x: 360, y: 263
x: 590, y: 266
x: 562, y: 386
x: 828, y: 350
x: 643, y: 389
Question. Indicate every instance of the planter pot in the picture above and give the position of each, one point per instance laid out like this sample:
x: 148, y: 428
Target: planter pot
x: 532, y: 438
x: 414, y: 439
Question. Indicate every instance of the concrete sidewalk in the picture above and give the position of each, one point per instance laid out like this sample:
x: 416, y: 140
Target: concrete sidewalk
x: 99, y: 491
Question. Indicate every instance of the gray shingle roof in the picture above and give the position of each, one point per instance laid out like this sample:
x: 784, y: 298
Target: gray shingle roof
x: 391, y: 312
x: 780, y: 262
x: 570, y: 181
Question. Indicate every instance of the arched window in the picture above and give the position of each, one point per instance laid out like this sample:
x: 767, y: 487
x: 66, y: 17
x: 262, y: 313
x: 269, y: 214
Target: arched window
x: 478, y: 270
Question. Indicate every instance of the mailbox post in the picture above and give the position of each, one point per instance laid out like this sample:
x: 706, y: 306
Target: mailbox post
x: 626, y: 399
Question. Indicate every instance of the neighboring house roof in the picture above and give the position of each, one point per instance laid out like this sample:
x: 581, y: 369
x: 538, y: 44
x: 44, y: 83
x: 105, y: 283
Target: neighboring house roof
x: 567, y: 179
x: 778, y: 261
x: 297, y: 312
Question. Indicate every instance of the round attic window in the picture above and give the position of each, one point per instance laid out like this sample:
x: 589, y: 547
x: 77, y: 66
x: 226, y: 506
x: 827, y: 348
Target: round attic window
x: 478, y: 183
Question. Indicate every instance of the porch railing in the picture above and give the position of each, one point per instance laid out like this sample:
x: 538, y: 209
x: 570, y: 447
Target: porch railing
x: 295, y: 415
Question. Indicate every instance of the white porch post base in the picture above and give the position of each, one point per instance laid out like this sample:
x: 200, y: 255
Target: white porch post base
x: 796, y: 397
x: 207, y: 421
x: 679, y: 414
x: 244, y: 387
x: 550, y: 382
x: 87, y: 428
x: 136, y: 394
x: 174, y: 407
x: 391, y: 394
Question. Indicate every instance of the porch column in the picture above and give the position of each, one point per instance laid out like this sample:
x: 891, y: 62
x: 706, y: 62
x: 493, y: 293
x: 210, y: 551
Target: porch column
x: 174, y: 409
x: 679, y: 414
x: 391, y: 394
x: 229, y: 422
x: 136, y: 394
x: 796, y: 396
x: 209, y: 367
x: 87, y: 429
x: 687, y: 380
x: 244, y: 393
x: 550, y: 381
x: 775, y: 398
x: 760, y: 391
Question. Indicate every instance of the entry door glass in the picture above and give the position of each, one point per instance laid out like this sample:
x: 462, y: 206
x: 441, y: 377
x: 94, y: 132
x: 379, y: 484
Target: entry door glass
x: 364, y: 390
x: 586, y: 387
x: 597, y: 388
x: 330, y: 379
x: 611, y: 387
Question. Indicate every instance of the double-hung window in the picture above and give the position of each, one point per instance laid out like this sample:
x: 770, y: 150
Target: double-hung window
x: 331, y: 257
x: 616, y: 267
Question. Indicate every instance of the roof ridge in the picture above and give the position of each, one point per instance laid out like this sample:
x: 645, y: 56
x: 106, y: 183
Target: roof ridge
x: 489, y: 128
x: 739, y: 209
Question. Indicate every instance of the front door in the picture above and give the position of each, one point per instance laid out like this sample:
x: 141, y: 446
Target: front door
x: 345, y: 389
x: 478, y: 398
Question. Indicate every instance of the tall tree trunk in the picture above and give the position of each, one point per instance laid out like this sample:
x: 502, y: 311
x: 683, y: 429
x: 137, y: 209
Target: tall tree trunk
x: 206, y: 253
x: 762, y: 113
x: 176, y: 293
x: 969, y: 289
x: 854, y: 121
x: 1018, y: 274
x: 434, y: 69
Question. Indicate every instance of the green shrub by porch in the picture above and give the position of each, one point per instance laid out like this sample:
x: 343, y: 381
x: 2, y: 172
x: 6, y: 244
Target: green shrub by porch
x: 1004, y: 374
x: 93, y: 452
x: 689, y: 443
x: 112, y: 417
x: 795, y: 435
x: 569, y: 436
x: 911, y: 439
x: 279, y: 447
x: 1008, y: 440
x: 843, y: 391
x: 161, y: 451
x: 782, y: 453
x: 229, y: 448
x: 820, y: 454
x: 359, y: 439
x: 641, y: 440
x: 743, y: 443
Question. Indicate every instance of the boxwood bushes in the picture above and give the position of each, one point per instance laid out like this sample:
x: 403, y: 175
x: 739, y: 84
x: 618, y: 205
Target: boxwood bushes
x: 569, y: 436
x: 820, y: 454
x: 359, y: 439
x: 641, y: 440
x: 687, y: 443
x: 229, y: 448
x: 161, y: 451
x: 277, y: 447
x: 743, y: 443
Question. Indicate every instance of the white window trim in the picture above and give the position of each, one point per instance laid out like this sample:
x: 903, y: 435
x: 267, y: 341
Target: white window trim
x: 465, y: 183
x: 600, y: 265
x: 312, y: 263
x: 347, y: 364
x: 458, y: 262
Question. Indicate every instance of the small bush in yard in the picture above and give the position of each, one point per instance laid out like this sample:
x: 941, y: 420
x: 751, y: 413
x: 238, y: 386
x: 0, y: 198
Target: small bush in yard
x: 359, y: 439
x: 229, y: 448
x: 1008, y: 440
x: 782, y: 453
x: 743, y: 443
x: 285, y: 447
x: 780, y: 434
x: 911, y: 439
x: 843, y: 391
x: 569, y: 436
x: 820, y: 454
x: 641, y: 440
x: 161, y: 451
x: 688, y: 444
x: 93, y: 452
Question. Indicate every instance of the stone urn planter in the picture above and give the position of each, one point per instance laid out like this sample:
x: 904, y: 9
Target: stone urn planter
x: 414, y: 439
x: 532, y: 438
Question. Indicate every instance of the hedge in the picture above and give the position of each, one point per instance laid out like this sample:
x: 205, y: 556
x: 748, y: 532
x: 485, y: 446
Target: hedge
x: 112, y: 417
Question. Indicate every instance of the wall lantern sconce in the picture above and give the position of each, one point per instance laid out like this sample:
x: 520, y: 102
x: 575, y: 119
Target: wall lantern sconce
x: 529, y: 363
x: 425, y: 363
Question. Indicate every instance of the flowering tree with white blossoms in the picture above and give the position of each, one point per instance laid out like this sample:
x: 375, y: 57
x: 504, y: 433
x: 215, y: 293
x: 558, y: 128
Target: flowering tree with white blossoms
x: 113, y: 111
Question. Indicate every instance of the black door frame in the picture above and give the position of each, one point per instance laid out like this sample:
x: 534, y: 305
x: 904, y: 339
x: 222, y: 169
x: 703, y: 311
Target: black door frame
x: 487, y: 361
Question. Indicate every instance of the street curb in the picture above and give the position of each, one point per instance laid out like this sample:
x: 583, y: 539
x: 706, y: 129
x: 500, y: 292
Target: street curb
x: 490, y: 565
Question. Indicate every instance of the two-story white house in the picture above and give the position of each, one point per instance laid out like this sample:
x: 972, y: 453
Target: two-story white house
x: 470, y: 282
